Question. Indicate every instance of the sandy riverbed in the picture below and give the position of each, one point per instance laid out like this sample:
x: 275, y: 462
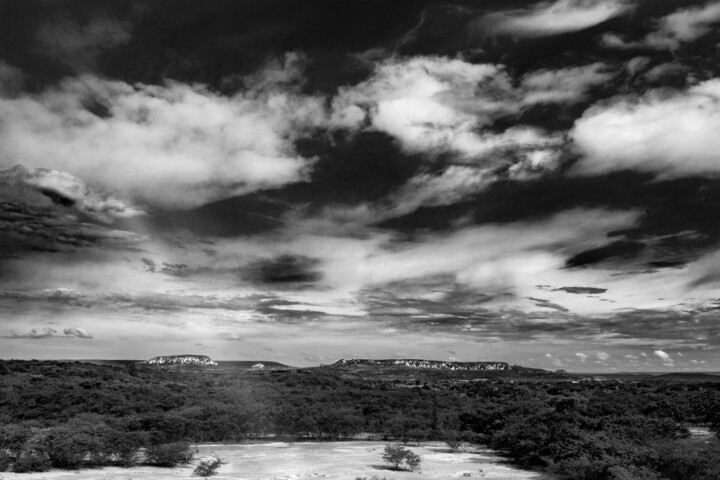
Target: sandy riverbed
x: 310, y: 461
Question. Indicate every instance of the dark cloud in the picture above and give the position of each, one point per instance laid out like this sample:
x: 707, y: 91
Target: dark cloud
x: 615, y: 250
x: 284, y: 269
x: 541, y: 302
x: 581, y: 290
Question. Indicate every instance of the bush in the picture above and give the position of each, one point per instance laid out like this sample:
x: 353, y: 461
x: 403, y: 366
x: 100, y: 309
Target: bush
x: 168, y: 454
x: 397, y: 455
x: 31, y: 463
x: 5, y: 461
x: 208, y: 468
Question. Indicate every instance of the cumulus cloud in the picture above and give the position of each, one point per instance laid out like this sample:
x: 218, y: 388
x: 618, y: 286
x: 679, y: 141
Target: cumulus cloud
x: 437, y: 105
x: 547, y: 18
x: 671, y: 135
x: 666, y: 358
x: 603, y: 356
x: 49, y: 332
x: 171, y: 146
x: 583, y: 357
x: 78, y: 45
x: 67, y: 190
x: 684, y: 25
x: 440, y: 104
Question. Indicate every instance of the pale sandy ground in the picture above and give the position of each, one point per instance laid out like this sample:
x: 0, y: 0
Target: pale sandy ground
x: 310, y: 461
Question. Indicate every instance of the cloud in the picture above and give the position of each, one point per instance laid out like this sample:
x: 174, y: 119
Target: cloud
x: 667, y: 134
x: 583, y: 357
x: 175, y: 145
x: 285, y: 269
x: 11, y: 79
x: 666, y: 358
x: 441, y: 107
x: 565, y: 85
x: 67, y: 190
x: 581, y: 290
x: 76, y: 332
x: 603, y: 356
x: 683, y: 26
x: 489, y: 257
x: 49, y: 332
x: 546, y: 18
x: 79, y: 45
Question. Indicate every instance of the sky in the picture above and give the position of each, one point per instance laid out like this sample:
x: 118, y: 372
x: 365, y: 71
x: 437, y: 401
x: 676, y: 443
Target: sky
x: 302, y: 181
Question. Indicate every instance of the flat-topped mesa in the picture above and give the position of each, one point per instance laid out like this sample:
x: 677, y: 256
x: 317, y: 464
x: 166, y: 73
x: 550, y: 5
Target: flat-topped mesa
x: 412, y: 363
x: 181, y: 360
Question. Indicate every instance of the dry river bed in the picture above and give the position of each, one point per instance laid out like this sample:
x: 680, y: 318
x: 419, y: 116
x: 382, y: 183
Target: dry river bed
x: 310, y: 460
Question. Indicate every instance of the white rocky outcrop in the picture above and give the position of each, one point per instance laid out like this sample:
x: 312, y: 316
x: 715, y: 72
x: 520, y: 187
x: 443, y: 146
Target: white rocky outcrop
x: 181, y: 360
x: 436, y: 364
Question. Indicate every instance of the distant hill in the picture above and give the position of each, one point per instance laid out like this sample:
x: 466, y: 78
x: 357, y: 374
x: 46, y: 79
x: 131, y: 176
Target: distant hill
x: 253, y: 365
x: 690, y: 376
x: 223, y: 364
x: 432, y: 364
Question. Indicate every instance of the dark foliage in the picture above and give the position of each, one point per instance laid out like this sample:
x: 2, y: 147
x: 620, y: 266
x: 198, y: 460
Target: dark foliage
x: 75, y: 415
x: 31, y: 463
x: 208, y: 468
x: 168, y: 454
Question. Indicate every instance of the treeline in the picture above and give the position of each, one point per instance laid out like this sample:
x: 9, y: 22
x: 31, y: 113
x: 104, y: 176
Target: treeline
x: 601, y: 431
x: 71, y: 415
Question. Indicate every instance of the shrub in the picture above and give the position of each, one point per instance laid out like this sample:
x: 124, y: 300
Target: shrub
x: 5, y: 461
x: 397, y: 455
x: 32, y: 463
x: 168, y: 454
x: 208, y: 468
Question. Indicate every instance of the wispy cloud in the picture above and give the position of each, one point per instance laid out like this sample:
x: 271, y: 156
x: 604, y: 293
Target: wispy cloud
x: 672, y: 31
x: 684, y: 25
x: 555, y: 18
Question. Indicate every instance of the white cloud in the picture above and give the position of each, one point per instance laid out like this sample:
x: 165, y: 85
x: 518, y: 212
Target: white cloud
x: 436, y: 105
x: 603, y: 356
x: 581, y: 356
x: 102, y: 208
x: 490, y: 257
x: 684, y: 25
x: 76, y: 332
x: 669, y: 135
x: 666, y: 358
x: 566, y: 85
x: 172, y: 146
x: 555, y: 18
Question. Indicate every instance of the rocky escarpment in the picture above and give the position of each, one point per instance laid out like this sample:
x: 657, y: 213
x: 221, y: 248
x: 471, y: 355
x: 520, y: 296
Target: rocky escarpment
x: 437, y: 364
x: 181, y: 360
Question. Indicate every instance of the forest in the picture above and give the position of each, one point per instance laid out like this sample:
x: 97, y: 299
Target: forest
x: 75, y: 415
